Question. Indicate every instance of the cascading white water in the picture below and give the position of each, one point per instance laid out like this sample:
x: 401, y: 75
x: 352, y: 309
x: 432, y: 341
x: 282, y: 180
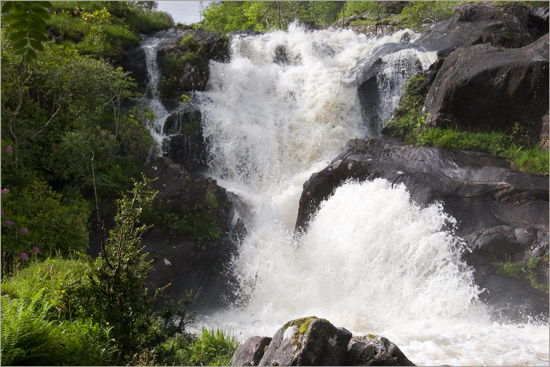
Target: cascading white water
x: 152, y: 94
x: 370, y: 260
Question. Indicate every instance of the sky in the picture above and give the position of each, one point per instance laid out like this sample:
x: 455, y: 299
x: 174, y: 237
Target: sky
x: 186, y: 12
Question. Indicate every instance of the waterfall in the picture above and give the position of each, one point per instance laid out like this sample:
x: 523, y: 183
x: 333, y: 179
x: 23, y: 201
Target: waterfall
x: 371, y: 260
x: 152, y: 94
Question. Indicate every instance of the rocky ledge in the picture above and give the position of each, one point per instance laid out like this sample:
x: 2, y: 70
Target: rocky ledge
x: 311, y: 341
x: 502, y: 214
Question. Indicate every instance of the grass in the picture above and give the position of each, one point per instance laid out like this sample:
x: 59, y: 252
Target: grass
x: 38, y: 325
x: 410, y: 125
x: 210, y: 348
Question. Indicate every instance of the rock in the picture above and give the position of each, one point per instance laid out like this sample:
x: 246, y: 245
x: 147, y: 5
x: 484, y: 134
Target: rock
x: 487, y: 88
x: 381, y: 76
x: 192, y: 241
x: 184, y: 63
x: 307, y: 342
x: 372, y: 350
x: 477, y: 23
x: 185, y: 144
x: 491, y: 203
x: 134, y: 62
x: 251, y: 352
x: 543, y: 140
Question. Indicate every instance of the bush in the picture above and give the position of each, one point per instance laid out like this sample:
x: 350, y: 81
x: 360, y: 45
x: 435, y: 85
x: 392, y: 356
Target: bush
x: 422, y: 13
x: 38, y: 325
x: 37, y: 217
x: 211, y: 348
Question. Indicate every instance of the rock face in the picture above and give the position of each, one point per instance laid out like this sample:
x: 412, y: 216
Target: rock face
x: 492, y: 89
x: 480, y: 191
x: 381, y: 75
x: 311, y: 341
x: 193, y: 237
x: 186, y: 144
x: 251, y: 352
x: 372, y: 350
x: 478, y: 23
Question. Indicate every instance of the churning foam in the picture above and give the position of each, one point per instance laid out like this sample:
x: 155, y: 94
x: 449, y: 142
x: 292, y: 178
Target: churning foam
x: 370, y: 261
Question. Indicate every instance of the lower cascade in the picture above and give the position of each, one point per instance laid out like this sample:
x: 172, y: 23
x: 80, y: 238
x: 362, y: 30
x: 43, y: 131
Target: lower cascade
x: 370, y: 260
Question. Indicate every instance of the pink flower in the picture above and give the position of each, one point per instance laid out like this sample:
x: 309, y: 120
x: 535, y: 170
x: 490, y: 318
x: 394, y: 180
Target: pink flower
x: 113, y: 136
x: 36, y: 249
x: 9, y: 149
x: 24, y: 230
x: 3, y: 212
x: 23, y: 256
x: 4, y: 191
x: 103, y: 133
x: 9, y: 223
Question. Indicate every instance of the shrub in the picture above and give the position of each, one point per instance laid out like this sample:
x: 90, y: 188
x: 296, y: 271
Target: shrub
x: 38, y: 217
x: 210, y: 348
x: 38, y: 326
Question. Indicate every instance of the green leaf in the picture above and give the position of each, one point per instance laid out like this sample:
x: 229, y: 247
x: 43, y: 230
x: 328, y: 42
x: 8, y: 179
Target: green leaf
x: 21, y: 43
x: 36, y: 45
x: 30, y: 55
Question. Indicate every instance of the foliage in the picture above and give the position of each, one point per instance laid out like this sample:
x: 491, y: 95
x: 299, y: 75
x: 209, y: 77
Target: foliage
x: 105, y: 29
x: 36, y: 325
x: 116, y: 292
x: 421, y: 13
x: 233, y: 16
x: 210, y: 348
x: 37, y: 217
x: 26, y: 21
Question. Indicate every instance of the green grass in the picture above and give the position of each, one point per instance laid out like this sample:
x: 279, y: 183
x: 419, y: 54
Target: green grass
x: 38, y: 325
x: 532, y: 160
x: 210, y: 348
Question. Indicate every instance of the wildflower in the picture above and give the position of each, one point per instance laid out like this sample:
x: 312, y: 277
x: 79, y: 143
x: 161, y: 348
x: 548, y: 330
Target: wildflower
x: 9, y: 149
x: 113, y: 136
x: 58, y: 309
x: 62, y: 291
x: 3, y: 212
x: 9, y: 223
x: 36, y: 249
x: 4, y: 191
x: 23, y: 256
x: 107, y: 323
x: 103, y: 133
x: 24, y: 230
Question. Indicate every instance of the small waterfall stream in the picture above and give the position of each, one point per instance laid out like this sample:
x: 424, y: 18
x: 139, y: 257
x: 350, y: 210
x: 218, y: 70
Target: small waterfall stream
x: 152, y: 94
x: 371, y: 260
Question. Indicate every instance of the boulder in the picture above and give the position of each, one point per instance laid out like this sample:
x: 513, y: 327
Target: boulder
x: 476, y: 23
x: 251, y: 352
x: 493, y: 205
x: 380, y: 77
x: 373, y: 350
x: 307, y: 342
x: 185, y: 143
x: 487, y: 88
x: 193, y: 237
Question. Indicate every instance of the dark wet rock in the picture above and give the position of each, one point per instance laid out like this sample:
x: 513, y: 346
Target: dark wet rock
x: 487, y: 88
x: 184, y: 63
x: 251, y: 352
x: 311, y: 341
x: 373, y: 350
x: 134, y: 62
x: 374, y: 82
x: 477, y: 23
x: 501, y: 213
x: 192, y: 240
x: 307, y: 342
x: 185, y: 144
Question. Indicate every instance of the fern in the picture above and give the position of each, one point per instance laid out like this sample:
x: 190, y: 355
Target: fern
x: 26, y: 23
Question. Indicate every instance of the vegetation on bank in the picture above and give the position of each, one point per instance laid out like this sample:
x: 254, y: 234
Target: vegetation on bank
x: 410, y: 125
x: 73, y: 139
